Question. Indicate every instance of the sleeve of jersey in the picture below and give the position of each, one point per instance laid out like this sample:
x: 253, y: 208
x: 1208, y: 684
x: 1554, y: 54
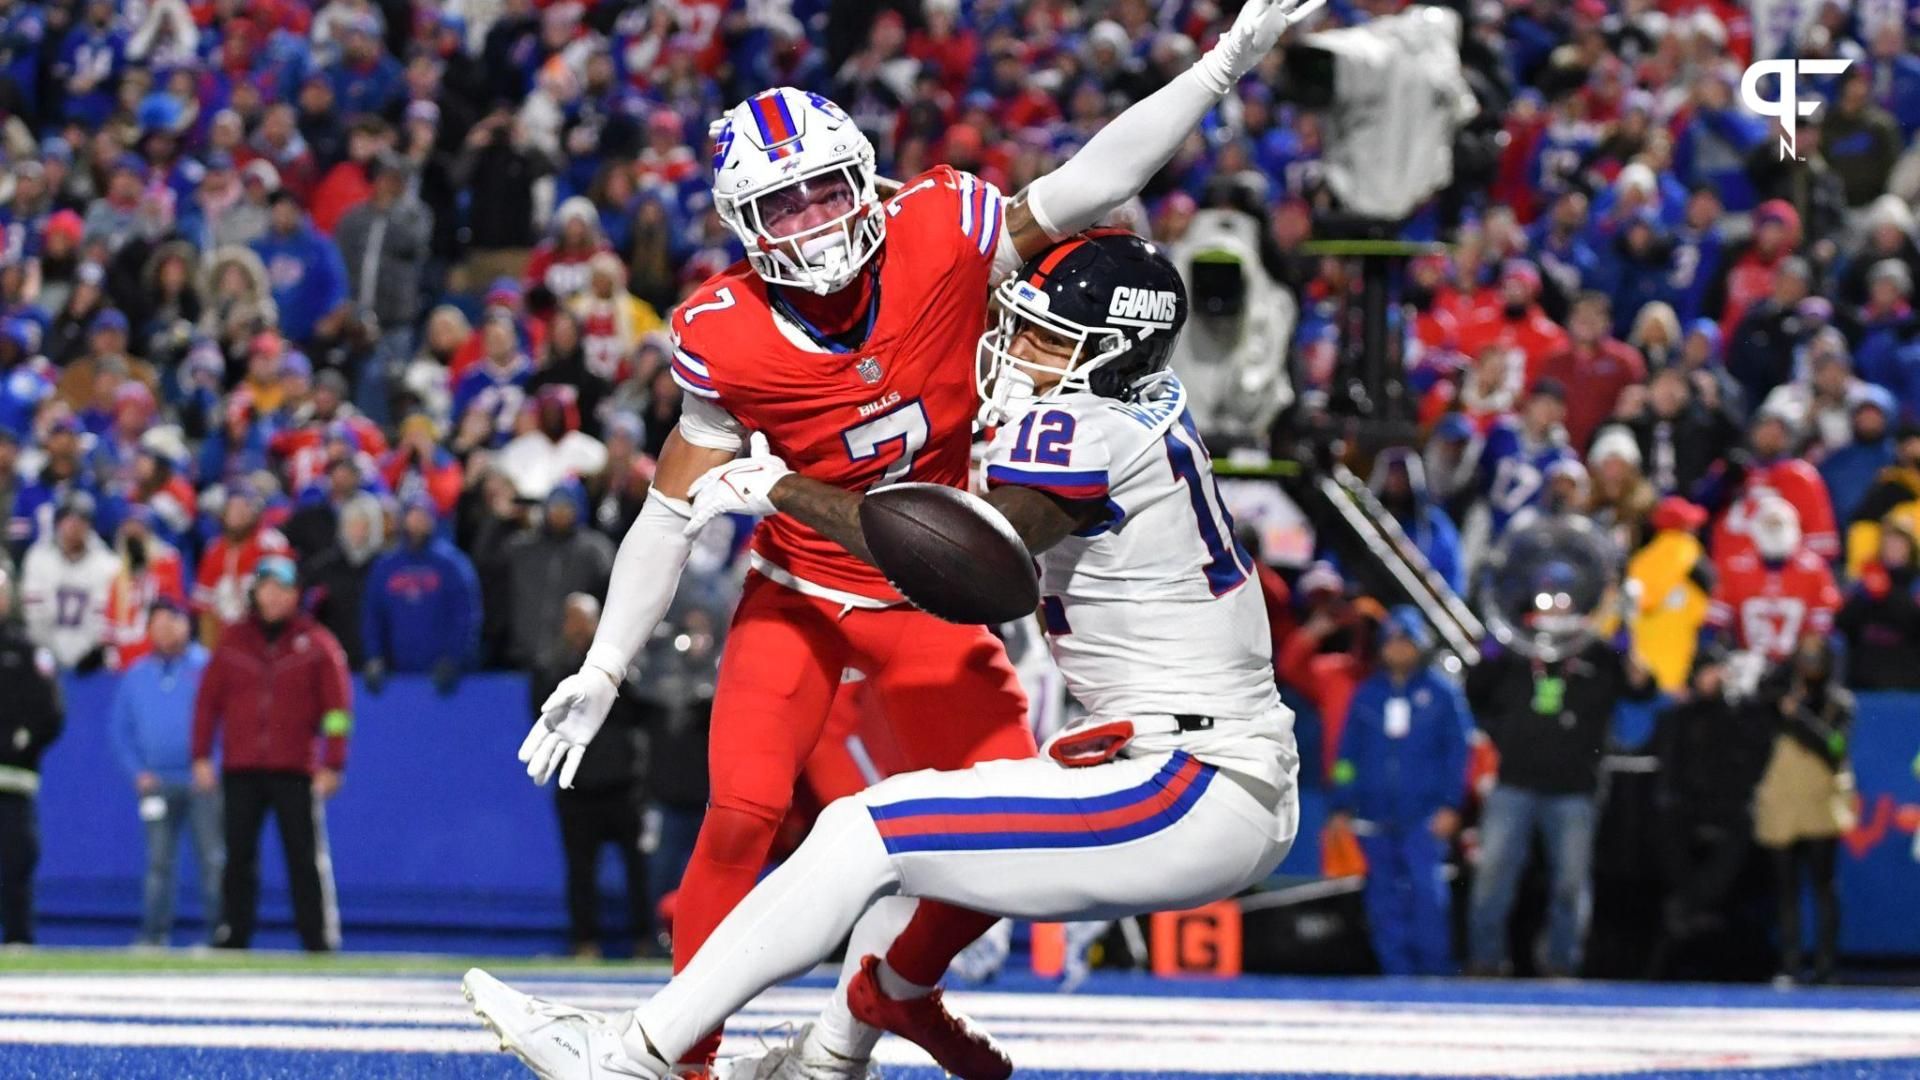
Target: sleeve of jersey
x: 955, y: 210
x: 1054, y: 451
x: 690, y: 370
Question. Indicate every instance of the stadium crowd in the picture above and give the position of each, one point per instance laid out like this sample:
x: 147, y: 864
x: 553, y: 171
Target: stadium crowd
x: 378, y: 285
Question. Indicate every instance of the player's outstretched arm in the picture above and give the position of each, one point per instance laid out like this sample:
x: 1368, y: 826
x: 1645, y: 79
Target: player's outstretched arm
x: 761, y: 484
x: 1119, y: 160
x: 646, y: 571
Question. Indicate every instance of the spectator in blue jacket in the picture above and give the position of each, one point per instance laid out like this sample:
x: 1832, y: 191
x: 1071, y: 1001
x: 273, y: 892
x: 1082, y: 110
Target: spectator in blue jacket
x: 308, y: 278
x: 366, y: 80
x: 1850, y: 470
x: 422, y: 605
x: 1400, y: 775
x: 152, y: 735
x: 1400, y: 482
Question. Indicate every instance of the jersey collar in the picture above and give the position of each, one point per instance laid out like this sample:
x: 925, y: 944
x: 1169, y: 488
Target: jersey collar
x: 834, y: 343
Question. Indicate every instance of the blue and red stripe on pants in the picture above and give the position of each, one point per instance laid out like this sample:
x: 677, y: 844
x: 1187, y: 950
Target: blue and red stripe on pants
x: 1001, y: 823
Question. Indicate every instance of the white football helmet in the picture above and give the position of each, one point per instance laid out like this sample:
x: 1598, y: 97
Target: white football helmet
x: 1774, y: 526
x: 794, y: 179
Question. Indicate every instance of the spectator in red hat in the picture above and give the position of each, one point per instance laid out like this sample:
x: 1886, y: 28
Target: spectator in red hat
x: 1595, y: 366
x: 60, y: 258
x: 1516, y: 321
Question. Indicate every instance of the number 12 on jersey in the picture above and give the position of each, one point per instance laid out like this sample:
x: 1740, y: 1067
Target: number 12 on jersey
x: 1224, y: 568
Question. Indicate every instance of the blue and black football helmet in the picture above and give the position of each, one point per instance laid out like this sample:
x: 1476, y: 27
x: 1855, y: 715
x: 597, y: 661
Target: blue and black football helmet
x: 1113, y: 295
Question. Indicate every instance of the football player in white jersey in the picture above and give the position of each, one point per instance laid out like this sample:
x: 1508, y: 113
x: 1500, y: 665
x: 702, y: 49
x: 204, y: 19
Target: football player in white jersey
x: 1177, y: 789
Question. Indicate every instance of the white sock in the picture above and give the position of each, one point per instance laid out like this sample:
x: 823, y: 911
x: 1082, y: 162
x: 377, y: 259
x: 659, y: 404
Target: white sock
x: 837, y: 1032
x: 895, y: 985
x: 788, y: 923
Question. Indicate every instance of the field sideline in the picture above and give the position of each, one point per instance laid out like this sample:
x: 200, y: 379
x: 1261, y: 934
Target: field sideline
x: 272, y: 1016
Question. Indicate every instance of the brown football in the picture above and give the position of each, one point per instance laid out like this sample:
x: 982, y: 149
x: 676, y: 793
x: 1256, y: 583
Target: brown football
x: 950, y: 553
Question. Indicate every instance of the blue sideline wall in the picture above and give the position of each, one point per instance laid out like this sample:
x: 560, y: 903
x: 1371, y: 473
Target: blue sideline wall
x: 439, y: 840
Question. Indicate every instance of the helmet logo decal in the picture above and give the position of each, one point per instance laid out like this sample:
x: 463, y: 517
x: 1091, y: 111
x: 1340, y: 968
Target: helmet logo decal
x: 722, y: 142
x: 1143, y: 307
x: 868, y: 368
x: 776, y: 123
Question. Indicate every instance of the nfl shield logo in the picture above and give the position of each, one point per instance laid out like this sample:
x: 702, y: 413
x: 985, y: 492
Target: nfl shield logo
x: 869, y: 370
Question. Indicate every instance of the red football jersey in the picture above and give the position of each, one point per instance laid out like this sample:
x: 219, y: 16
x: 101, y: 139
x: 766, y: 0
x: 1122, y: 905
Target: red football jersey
x: 1793, y: 480
x: 899, y: 407
x: 1766, y: 609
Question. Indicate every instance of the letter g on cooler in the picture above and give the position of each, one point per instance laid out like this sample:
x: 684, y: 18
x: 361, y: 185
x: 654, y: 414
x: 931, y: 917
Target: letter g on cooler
x: 1788, y: 108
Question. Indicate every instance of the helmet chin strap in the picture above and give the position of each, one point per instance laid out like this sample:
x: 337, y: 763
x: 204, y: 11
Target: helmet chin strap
x: 1012, y: 393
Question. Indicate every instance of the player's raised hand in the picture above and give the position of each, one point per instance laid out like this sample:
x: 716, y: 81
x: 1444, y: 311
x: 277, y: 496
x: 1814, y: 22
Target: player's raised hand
x: 1252, y: 35
x: 741, y: 486
x: 568, y: 721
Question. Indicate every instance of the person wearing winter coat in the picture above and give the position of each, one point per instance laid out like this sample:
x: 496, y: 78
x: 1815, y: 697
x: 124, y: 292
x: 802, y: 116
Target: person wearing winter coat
x: 1712, y: 747
x: 1233, y: 356
x: 562, y: 556
x: 1805, y: 803
x: 308, y: 277
x: 64, y: 585
x: 1669, y: 583
x: 1880, y: 619
x: 1400, y: 779
x: 1399, y: 481
x: 334, y: 582
x: 33, y: 719
x: 422, y: 607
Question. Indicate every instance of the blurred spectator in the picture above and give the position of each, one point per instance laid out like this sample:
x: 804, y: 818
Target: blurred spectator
x: 422, y: 606
x: 1330, y: 653
x: 275, y: 685
x: 1621, y: 497
x: 35, y: 715
x: 1232, y: 355
x: 384, y: 243
x: 1518, y: 452
x: 1761, y: 343
x: 495, y: 388
x: 1862, y: 139
x: 1548, y: 720
x: 1399, y: 481
x: 497, y: 168
x: 418, y: 463
x: 1669, y: 583
x: 606, y: 803
x: 314, y: 524
x: 1881, y: 616
x: 1894, y: 495
x: 549, y: 447
x: 1595, y: 367
x: 1713, y: 746
x: 64, y: 584
x: 61, y: 474
x: 1820, y: 401
x: 547, y: 564
x: 1850, y: 470
x: 152, y: 735
x: 563, y: 263
x: 674, y: 683
x: 611, y: 320
x: 565, y: 374
x: 618, y: 491
x: 1805, y: 802
x: 1401, y: 775
x: 1513, y: 318
x: 304, y: 270
x: 1770, y: 595
x: 220, y: 590
x: 334, y: 582
x: 149, y: 569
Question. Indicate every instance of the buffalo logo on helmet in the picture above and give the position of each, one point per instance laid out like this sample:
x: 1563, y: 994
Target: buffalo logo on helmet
x: 868, y: 368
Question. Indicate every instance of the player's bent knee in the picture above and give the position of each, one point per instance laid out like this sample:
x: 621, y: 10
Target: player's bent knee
x: 848, y: 825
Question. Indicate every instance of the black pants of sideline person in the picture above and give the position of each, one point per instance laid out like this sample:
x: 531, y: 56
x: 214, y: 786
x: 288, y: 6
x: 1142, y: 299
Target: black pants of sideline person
x: 590, y: 820
x: 19, y: 855
x: 247, y: 796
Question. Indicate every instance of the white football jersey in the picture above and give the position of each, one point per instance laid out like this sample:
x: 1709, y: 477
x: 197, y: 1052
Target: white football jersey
x: 1155, y: 609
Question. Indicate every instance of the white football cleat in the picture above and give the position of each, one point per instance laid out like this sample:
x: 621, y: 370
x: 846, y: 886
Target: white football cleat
x: 800, y: 1058
x: 557, y: 1041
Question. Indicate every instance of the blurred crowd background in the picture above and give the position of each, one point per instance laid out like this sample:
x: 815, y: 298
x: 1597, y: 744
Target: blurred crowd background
x: 380, y: 287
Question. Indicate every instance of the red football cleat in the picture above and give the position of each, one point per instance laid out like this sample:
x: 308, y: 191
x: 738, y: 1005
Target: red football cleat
x: 956, y: 1045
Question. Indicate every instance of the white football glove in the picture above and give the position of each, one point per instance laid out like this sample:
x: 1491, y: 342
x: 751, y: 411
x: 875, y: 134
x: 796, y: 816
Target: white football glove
x: 1252, y: 36
x: 568, y: 721
x: 741, y: 486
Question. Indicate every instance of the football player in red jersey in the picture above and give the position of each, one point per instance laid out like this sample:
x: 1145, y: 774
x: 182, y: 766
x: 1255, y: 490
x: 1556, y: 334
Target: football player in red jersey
x: 1771, y: 595
x: 846, y: 339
